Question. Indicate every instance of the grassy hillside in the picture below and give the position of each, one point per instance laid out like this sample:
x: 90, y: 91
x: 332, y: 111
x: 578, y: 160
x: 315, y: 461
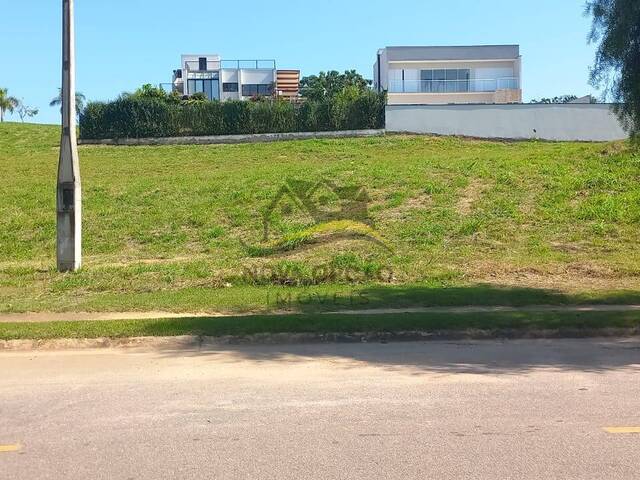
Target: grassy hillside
x: 466, y: 221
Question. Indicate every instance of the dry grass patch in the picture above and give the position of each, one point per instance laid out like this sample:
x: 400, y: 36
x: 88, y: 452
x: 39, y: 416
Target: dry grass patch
x: 470, y: 195
x: 570, y: 277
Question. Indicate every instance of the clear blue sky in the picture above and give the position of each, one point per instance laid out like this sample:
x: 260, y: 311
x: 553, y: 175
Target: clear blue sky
x: 122, y: 44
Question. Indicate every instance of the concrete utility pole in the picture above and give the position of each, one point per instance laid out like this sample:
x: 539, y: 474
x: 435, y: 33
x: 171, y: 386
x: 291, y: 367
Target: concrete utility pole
x: 69, y: 195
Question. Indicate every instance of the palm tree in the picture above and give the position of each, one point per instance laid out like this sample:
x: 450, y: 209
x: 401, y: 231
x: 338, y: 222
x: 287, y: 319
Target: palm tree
x: 7, y: 103
x: 80, y: 101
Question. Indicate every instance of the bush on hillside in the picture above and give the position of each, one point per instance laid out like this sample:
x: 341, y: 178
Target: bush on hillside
x: 202, y: 118
x: 236, y: 117
x: 150, y: 113
x: 131, y: 117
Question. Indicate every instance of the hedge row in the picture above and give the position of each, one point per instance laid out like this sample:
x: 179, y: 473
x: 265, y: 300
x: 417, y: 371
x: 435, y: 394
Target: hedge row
x: 137, y: 117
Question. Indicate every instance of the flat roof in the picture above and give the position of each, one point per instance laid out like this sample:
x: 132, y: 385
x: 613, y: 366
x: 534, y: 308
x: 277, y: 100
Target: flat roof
x: 466, y: 52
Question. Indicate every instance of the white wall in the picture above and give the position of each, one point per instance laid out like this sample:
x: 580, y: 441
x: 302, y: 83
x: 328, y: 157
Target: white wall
x: 260, y: 76
x: 582, y: 122
x: 491, y: 72
x: 229, y: 75
x: 195, y: 58
x: 384, y: 70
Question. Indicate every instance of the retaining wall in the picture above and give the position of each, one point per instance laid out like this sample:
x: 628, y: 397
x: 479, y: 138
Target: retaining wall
x: 226, y: 139
x: 581, y: 122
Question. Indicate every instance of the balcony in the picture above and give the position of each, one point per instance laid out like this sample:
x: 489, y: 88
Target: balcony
x: 213, y: 65
x: 249, y: 64
x: 454, y: 86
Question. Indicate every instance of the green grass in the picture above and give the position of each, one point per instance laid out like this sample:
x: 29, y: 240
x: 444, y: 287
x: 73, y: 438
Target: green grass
x: 467, y: 222
x: 315, y: 323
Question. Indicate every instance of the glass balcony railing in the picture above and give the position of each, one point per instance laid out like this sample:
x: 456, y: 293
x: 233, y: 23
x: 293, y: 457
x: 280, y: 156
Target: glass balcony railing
x: 249, y: 64
x: 196, y: 66
x: 454, y: 86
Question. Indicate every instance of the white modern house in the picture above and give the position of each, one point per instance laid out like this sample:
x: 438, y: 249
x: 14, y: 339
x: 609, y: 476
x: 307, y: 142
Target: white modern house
x: 221, y: 79
x: 432, y: 75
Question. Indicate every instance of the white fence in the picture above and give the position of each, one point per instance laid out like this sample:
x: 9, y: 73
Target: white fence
x: 581, y: 122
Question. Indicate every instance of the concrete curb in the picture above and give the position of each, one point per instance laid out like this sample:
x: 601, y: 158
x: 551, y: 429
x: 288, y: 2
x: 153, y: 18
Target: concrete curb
x: 233, y: 139
x: 202, y: 342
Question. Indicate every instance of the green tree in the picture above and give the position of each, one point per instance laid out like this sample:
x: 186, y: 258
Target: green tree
x: 327, y: 85
x: 616, y: 30
x: 80, y: 101
x: 149, y: 91
x: 7, y: 103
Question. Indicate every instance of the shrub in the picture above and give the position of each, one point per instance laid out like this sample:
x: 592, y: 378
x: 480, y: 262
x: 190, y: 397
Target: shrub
x: 314, y: 116
x: 273, y: 116
x: 143, y: 117
x: 151, y: 113
x: 198, y: 97
x: 203, y: 118
x: 341, y: 107
x: 237, y: 117
x: 91, y: 121
x: 366, y: 111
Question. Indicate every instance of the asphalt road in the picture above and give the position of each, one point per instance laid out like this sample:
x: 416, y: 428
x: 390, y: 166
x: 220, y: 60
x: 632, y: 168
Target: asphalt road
x: 498, y: 410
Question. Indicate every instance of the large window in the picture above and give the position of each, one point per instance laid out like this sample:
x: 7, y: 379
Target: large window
x: 449, y: 80
x: 255, y: 89
x: 207, y: 86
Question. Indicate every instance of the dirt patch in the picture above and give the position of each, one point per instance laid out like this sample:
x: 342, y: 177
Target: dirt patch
x: 562, y: 277
x: 470, y: 196
x: 145, y: 261
x: 567, y: 247
x: 413, y: 204
x: 34, y: 317
x: 614, y: 148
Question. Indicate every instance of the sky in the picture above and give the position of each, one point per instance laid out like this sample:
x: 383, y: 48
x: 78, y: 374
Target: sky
x: 122, y: 44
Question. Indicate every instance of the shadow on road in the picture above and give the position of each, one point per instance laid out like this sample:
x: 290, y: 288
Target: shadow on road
x: 483, y: 357
x: 508, y: 357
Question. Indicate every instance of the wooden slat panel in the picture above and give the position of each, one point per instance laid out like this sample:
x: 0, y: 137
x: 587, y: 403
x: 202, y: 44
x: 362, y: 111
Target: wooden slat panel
x: 288, y: 82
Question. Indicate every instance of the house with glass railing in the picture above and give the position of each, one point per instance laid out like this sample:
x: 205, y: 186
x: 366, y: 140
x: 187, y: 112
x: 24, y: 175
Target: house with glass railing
x: 449, y: 75
x: 221, y: 79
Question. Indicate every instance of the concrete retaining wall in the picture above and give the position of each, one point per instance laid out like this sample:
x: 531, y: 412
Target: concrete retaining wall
x: 226, y: 139
x: 581, y: 122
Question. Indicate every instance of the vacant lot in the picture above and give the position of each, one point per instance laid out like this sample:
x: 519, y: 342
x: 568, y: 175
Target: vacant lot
x: 467, y: 222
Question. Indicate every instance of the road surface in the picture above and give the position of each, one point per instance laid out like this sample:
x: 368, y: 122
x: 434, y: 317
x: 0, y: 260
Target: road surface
x: 443, y: 410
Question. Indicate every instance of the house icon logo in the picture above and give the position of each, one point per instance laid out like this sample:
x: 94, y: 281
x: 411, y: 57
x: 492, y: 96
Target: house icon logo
x: 331, y: 212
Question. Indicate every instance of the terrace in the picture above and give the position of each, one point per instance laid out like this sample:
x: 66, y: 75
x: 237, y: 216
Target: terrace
x: 206, y: 65
x: 454, y: 85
